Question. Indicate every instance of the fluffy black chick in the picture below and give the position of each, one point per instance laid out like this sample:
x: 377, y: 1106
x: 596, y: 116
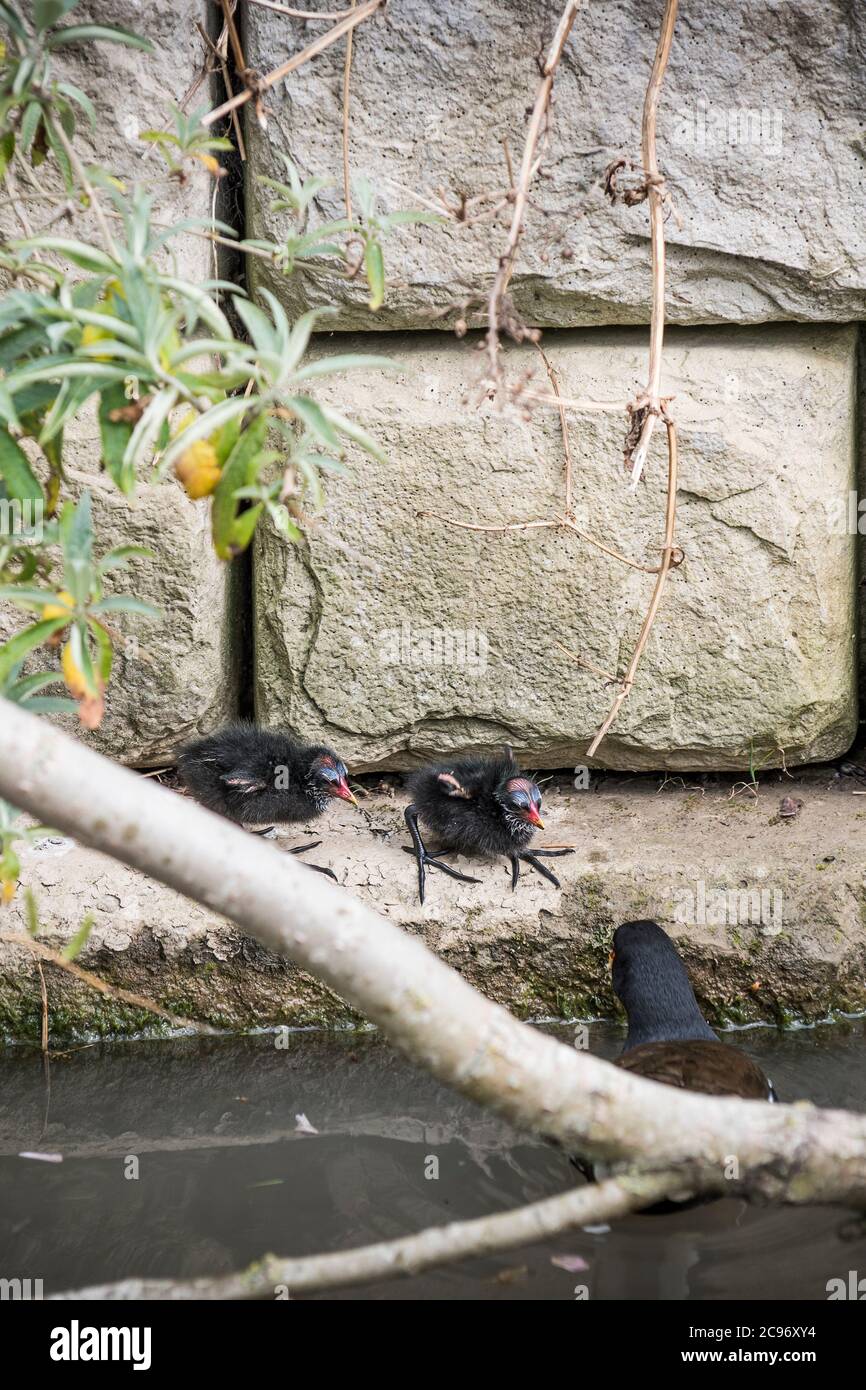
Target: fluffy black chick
x: 477, y: 806
x: 263, y: 777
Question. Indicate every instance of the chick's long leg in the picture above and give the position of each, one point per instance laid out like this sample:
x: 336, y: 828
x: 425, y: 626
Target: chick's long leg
x: 533, y: 860
x: 319, y: 868
x: 302, y: 849
x: 423, y: 858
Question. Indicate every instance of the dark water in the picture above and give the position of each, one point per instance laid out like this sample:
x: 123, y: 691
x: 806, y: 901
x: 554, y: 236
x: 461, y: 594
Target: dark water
x: 223, y: 1176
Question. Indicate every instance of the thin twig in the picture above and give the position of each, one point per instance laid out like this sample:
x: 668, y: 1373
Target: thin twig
x: 298, y: 60
x: 590, y: 665
x: 44, y: 992
x: 391, y: 1259
x: 217, y: 51
x: 347, y: 79
x: 655, y: 194
x: 87, y: 187
x: 17, y: 202
x: 101, y: 986
x: 528, y: 168
x: 566, y: 442
x: 301, y: 14
x: 658, y: 589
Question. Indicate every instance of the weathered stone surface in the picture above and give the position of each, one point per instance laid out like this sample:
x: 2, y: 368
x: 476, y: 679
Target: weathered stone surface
x: 760, y: 137
x: 754, y: 650
x: 173, y: 676
x: 769, y: 913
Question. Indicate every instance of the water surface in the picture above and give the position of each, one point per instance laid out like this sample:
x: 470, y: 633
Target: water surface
x: 224, y: 1175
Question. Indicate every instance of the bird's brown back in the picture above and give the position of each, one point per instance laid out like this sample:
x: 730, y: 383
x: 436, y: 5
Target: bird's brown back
x: 712, y: 1068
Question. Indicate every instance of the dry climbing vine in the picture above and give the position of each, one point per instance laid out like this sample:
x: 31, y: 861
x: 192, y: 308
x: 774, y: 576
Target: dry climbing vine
x: 650, y: 405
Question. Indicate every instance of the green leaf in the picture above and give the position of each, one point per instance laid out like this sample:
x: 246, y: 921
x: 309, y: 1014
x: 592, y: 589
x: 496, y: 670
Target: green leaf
x: 354, y: 432
x: 81, y: 99
x: 11, y: 19
x: 147, y: 429
x: 205, y: 424
x: 121, y: 555
x: 47, y: 12
x: 314, y: 417
x: 32, y: 912
x: 22, y: 485
x: 106, y: 651
x: 29, y: 124
x: 28, y: 685
x: 7, y: 150
x: 51, y: 704
x: 25, y: 597
x: 14, y: 651
x: 115, y: 435
x: 342, y: 362
x: 78, y: 252
x: 239, y: 471
x: 374, y: 264
x: 80, y: 33
x: 124, y: 603
x: 79, y: 940
x: 245, y: 525
x: 60, y: 155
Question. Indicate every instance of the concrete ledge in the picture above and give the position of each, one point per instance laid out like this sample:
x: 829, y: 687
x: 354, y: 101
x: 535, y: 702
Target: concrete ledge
x: 770, y: 913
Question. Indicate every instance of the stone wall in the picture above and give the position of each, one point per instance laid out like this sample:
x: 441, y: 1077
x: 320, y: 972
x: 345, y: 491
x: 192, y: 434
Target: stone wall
x: 396, y: 635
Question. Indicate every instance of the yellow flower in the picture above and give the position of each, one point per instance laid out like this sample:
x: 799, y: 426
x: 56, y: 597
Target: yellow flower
x: 63, y: 604
x: 8, y: 890
x: 91, y: 704
x: 73, y: 674
x: 90, y: 334
x: 212, y: 165
x: 197, y: 469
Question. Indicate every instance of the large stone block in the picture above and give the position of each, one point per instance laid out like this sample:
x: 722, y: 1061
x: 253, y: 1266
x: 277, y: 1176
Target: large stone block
x: 172, y: 677
x: 397, y: 635
x: 760, y: 137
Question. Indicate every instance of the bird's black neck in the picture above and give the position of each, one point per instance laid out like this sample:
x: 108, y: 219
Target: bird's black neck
x: 659, y: 1001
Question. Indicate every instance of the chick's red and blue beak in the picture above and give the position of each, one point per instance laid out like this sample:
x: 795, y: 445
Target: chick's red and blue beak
x: 533, y: 817
x: 342, y: 790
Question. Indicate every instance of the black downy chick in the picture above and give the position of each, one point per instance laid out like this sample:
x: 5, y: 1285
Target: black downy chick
x: 477, y: 806
x: 262, y: 777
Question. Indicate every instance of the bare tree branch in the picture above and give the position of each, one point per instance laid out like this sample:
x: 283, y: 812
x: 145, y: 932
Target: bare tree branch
x: 784, y: 1152
x: 393, y: 1259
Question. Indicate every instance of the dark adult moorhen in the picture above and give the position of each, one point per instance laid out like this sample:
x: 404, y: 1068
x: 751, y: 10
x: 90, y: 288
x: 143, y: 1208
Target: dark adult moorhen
x: 669, y: 1040
x: 263, y: 777
x: 477, y: 806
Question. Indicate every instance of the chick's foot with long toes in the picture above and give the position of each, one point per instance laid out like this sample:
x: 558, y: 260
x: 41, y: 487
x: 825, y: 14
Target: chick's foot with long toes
x: 424, y: 858
x: 319, y: 868
x: 532, y: 859
x: 477, y: 806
